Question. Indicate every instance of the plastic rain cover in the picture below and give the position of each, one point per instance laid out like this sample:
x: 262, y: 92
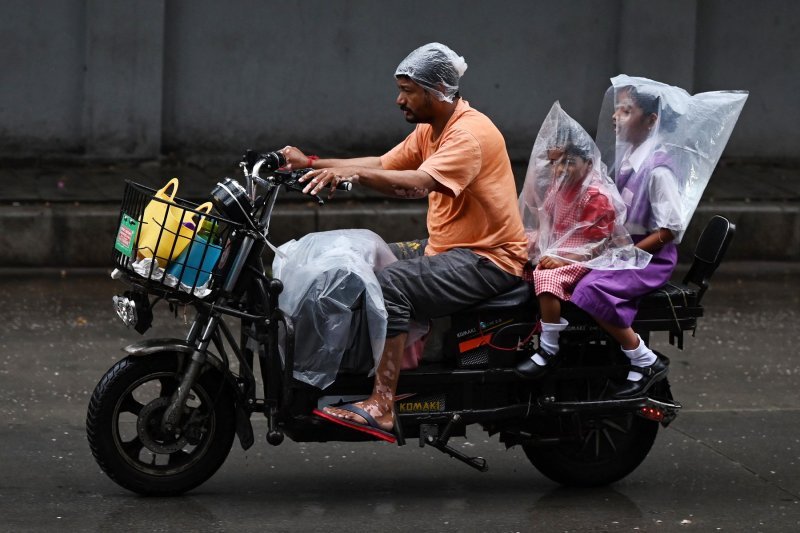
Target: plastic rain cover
x: 435, y: 67
x: 664, y: 144
x: 325, y: 276
x: 570, y: 207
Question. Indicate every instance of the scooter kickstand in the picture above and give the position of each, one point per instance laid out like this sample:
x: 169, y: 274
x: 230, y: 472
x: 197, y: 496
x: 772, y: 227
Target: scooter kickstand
x: 428, y: 435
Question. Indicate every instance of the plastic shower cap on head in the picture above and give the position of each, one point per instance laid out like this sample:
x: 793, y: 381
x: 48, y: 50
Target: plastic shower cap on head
x: 664, y: 144
x: 435, y: 67
x: 570, y: 207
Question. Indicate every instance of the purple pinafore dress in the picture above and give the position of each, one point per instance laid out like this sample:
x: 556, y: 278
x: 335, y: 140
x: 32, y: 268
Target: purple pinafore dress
x: 613, y: 295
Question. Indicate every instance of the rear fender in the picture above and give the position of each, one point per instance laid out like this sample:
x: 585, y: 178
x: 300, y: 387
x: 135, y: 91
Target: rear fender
x: 244, y: 428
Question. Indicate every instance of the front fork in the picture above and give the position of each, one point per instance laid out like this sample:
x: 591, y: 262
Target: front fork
x: 171, y: 420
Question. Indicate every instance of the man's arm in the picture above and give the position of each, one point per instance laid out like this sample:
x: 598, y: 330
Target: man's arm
x: 366, y: 171
x: 295, y: 159
x: 365, y: 162
x: 408, y: 184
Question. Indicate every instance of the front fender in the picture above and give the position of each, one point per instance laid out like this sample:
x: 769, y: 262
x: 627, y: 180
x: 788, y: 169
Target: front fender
x: 151, y: 346
x: 244, y: 428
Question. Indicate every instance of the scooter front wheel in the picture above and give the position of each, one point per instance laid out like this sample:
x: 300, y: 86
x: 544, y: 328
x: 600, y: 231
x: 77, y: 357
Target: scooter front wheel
x: 126, y: 436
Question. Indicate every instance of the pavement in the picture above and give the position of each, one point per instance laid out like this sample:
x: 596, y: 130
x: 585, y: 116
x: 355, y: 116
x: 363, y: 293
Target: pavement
x: 64, y: 213
x: 729, y: 462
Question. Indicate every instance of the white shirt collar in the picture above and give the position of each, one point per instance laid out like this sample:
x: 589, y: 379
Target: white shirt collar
x: 638, y: 156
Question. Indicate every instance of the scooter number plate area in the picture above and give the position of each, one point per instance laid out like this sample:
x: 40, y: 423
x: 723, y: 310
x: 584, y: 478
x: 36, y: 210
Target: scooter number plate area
x: 422, y: 404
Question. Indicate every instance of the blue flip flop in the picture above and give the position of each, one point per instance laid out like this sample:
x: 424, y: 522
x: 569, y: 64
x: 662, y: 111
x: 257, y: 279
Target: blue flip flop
x: 372, y: 428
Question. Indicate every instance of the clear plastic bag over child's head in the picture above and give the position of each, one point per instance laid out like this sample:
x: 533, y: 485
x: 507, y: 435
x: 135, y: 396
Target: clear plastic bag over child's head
x: 435, y: 67
x: 569, y: 206
x: 648, y: 126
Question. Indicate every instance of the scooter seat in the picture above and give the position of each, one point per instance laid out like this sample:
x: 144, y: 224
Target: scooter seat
x: 670, y: 295
x: 673, y: 307
x: 519, y: 295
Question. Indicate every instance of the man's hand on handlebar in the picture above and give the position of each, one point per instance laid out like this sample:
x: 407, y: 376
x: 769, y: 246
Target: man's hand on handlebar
x: 335, y: 177
x: 295, y: 158
x: 316, y: 180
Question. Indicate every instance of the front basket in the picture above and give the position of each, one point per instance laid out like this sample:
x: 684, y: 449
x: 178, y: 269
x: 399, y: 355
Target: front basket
x: 172, y: 245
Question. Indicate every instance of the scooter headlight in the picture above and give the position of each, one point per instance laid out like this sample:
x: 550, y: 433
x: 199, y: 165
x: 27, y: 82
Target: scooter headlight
x: 126, y: 310
x: 230, y: 199
x: 134, y: 310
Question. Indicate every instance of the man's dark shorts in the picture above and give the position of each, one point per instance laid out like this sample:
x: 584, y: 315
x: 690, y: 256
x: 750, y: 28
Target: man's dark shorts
x: 423, y: 287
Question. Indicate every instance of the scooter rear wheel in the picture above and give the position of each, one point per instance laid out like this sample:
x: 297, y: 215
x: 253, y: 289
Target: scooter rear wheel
x: 605, y: 450
x: 123, y: 425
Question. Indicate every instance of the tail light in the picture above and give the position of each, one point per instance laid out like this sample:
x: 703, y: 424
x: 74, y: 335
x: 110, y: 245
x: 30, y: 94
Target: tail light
x: 652, y: 413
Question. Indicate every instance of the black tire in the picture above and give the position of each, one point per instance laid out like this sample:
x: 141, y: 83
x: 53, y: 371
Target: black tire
x: 123, y: 429
x: 605, y: 450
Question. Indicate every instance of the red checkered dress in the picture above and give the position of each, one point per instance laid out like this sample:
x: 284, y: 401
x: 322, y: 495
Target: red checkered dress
x: 558, y: 281
x: 567, y: 214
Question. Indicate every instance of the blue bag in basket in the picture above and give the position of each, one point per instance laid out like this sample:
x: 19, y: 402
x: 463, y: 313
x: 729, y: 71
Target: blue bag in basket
x: 195, y: 264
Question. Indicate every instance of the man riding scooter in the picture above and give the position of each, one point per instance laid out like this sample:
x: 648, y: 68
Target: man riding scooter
x: 476, y: 246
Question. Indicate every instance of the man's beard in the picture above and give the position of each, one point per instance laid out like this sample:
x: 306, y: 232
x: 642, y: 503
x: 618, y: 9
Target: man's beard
x: 414, y: 118
x: 409, y: 115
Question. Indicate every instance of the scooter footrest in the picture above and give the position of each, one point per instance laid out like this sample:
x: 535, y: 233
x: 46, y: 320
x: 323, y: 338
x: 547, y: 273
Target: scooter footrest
x: 611, y: 405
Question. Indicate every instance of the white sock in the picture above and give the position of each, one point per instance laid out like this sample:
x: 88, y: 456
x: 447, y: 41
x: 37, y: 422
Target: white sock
x: 640, y: 356
x: 548, y: 339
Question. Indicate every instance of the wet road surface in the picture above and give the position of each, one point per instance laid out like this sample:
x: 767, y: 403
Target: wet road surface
x: 730, y: 462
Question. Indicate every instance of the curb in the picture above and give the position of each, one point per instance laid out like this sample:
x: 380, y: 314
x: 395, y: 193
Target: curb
x: 81, y: 236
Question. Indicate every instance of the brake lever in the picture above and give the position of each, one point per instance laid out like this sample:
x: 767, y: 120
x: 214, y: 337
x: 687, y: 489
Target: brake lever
x: 291, y: 180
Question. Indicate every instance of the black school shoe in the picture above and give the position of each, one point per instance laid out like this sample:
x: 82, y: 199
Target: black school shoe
x: 528, y: 369
x: 650, y: 376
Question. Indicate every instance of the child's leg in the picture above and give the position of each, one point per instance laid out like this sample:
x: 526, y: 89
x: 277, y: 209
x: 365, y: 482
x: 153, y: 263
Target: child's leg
x: 632, y: 346
x: 549, y: 307
x: 653, y: 367
x: 626, y: 337
x: 552, y: 325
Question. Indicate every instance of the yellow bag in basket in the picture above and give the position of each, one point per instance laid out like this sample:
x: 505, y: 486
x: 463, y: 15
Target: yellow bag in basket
x: 168, y: 228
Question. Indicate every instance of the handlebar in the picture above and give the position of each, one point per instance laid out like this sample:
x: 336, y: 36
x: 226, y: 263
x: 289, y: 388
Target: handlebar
x: 272, y: 160
x: 290, y: 179
x: 241, y: 204
x: 255, y: 163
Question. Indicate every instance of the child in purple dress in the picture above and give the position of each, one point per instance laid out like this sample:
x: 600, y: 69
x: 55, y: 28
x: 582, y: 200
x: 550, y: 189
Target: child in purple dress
x: 649, y: 116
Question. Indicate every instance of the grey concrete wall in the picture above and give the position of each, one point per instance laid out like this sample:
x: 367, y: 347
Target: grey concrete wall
x: 755, y: 45
x: 124, y: 78
x: 202, y: 78
x: 326, y: 82
x: 41, y: 76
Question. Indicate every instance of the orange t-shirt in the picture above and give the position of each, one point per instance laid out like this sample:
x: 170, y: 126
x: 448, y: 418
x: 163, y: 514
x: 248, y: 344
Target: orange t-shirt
x: 470, y: 159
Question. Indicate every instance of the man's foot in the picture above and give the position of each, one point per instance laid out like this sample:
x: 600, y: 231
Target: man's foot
x: 383, y: 416
x: 530, y: 369
x: 358, y: 418
x: 650, y: 376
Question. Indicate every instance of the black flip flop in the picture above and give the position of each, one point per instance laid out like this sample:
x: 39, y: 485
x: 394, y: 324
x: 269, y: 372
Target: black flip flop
x: 372, y: 428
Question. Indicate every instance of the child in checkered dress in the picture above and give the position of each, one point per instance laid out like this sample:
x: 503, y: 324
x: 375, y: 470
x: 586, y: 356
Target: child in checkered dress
x: 574, y: 219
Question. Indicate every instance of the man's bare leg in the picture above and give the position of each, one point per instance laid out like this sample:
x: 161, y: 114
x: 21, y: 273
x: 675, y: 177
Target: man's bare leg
x: 381, y: 402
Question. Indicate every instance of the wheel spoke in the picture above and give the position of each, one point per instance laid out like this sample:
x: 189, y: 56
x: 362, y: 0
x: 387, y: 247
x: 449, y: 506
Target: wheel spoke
x: 609, y: 440
x: 613, y: 425
x: 178, y: 458
x: 130, y: 405
x: 587, y: 442
x: 597, y: 444
x: 168, y: 385
x: 133, y: 448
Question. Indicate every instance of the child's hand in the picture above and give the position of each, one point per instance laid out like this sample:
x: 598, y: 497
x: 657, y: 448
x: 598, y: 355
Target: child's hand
x: 547, y: 262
